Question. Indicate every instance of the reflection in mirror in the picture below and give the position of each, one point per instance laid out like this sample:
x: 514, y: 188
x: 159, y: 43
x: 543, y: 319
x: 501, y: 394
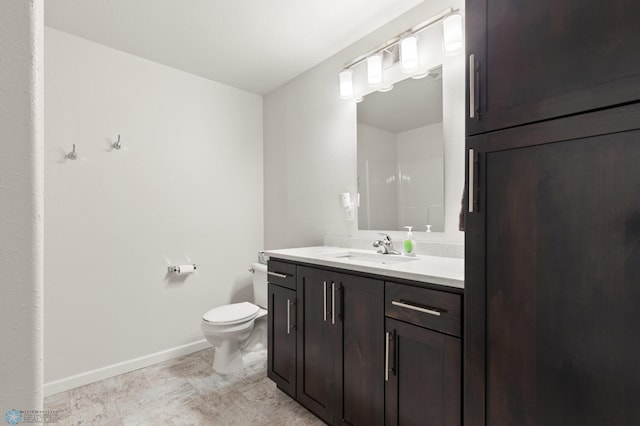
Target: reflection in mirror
x: 401, y: 157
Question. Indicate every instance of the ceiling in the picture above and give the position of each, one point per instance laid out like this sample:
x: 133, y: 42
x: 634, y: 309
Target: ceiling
x: 255, y: 45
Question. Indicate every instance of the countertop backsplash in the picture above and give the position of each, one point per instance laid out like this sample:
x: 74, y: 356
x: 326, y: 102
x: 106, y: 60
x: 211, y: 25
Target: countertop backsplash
x: 427, y: 248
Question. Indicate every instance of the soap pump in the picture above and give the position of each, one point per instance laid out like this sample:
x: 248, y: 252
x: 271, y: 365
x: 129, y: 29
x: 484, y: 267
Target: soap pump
x: 409, y: 243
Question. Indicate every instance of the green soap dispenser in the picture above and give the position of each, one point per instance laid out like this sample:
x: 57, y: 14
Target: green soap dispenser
x: 409, y: 243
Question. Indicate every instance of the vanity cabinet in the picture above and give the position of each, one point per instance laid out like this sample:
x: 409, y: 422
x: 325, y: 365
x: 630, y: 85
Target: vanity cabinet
x: 423, y: 366
x: 281, y: 356
x: 316, y: 349
x: 530, y: 61
x: 340, y: 341
x: 367, y: 351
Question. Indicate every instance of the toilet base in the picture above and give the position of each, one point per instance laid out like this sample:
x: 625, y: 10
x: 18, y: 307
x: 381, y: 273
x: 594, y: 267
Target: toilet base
x: 254, y: 357
x: 233, y: 355
x: 228, y: 358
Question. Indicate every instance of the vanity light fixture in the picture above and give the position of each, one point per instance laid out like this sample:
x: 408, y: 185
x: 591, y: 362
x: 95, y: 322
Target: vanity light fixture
x: 346, y: 84
x: 452, y: 34
x: 409, y: 55
x: 374, y: 69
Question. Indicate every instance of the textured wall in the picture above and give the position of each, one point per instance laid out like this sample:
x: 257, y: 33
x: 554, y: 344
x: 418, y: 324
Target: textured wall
x: 21, y: 204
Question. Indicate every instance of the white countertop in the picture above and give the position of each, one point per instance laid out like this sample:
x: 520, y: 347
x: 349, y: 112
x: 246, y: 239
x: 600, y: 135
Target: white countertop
x: 445, y: 271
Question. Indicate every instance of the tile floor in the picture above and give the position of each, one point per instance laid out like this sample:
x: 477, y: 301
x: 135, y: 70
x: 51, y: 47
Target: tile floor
x: 182, y: 391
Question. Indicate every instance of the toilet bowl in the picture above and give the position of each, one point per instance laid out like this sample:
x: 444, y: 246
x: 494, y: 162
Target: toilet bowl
x: 239, y: 330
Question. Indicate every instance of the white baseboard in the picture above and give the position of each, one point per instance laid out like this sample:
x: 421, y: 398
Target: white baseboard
x: 102, y: 373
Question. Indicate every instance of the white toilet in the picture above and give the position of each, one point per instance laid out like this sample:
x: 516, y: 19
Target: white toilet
x: 239, y: 330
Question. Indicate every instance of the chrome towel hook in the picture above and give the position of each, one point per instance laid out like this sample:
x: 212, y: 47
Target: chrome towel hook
x: 117, y: 144
x: 73, y: 155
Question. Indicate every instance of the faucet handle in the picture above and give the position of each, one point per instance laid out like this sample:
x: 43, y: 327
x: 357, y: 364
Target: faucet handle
x: 386, y: 237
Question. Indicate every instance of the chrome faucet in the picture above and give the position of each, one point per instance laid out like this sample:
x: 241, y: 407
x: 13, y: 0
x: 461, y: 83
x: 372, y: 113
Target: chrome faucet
x: 385, y: 245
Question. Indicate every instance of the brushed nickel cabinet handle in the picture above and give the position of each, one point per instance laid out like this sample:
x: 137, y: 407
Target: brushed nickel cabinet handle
x: 333, y: 303
x: 471, y: 188
x: 415, y: 308
x: 289, y: 326
x: 324, y: 301
x: 288, y: 316
x: 276, y: 274
x: 472, y: 86
x: 386, y: 356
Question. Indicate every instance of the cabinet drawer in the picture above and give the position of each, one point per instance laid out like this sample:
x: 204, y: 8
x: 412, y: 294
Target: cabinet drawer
x: 282, y: 273
x: 437, y: 310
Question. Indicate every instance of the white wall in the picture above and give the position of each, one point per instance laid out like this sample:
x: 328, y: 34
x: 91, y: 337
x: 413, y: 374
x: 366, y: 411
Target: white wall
x: 310, y: 145
x: 21, y: 204
x: 186, y: 187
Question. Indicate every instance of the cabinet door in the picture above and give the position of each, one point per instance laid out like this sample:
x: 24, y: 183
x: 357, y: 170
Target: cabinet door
x: 359, y: 319
x: 553, y: 274
x: 424, y: 385
x: 536, y: 60
x: 282, y: 338
x: 316, y: 347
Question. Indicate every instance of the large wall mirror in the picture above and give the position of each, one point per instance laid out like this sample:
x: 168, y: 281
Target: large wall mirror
x: 401, y: 156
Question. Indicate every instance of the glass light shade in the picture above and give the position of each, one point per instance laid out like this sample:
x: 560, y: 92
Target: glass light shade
x: 346, y: 84
x: 409, y: 53
x: 374, y: 70
x: 452, y: 39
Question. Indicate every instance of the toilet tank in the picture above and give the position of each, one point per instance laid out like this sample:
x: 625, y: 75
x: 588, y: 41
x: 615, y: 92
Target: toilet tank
x: 260, y: 288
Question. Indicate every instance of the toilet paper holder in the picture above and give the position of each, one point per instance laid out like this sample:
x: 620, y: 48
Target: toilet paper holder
x: 176, y: 268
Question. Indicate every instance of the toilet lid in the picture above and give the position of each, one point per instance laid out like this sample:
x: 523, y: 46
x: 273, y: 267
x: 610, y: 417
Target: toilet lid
x: 232, y: 314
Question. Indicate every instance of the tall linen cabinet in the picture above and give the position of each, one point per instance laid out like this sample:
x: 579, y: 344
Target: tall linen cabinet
x: 552, y: 275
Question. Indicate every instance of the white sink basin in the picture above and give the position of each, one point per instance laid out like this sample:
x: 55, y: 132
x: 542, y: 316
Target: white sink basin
x: 372, y: 258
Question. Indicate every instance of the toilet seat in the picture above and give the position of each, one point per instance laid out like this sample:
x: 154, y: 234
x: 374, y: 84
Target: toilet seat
x: 234, y: 313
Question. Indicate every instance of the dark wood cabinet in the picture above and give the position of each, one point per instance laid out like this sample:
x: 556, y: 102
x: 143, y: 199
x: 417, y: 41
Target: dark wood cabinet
x: 529, y: 61
x: 281, y: 358
x: 423, y: 356
x: 360, y: 363
x: 316, y: 343
x: 340, y: 341
x: 552, y: 243
x: 329, y: 348
x: 424, y: 385
x: 552, y: 283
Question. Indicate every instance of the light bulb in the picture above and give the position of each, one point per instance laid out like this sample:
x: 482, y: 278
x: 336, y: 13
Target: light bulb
x: 346, y: 84
x: 452, y: 39
x: 374, y: 70
x: 409, y: 53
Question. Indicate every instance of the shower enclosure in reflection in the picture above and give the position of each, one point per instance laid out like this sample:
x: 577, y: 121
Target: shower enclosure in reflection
x: 401, y: 157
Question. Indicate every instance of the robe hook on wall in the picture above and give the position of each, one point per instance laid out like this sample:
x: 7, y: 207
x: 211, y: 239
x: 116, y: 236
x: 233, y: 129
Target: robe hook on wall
x: 73, y: 155
x: 116, y: 144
